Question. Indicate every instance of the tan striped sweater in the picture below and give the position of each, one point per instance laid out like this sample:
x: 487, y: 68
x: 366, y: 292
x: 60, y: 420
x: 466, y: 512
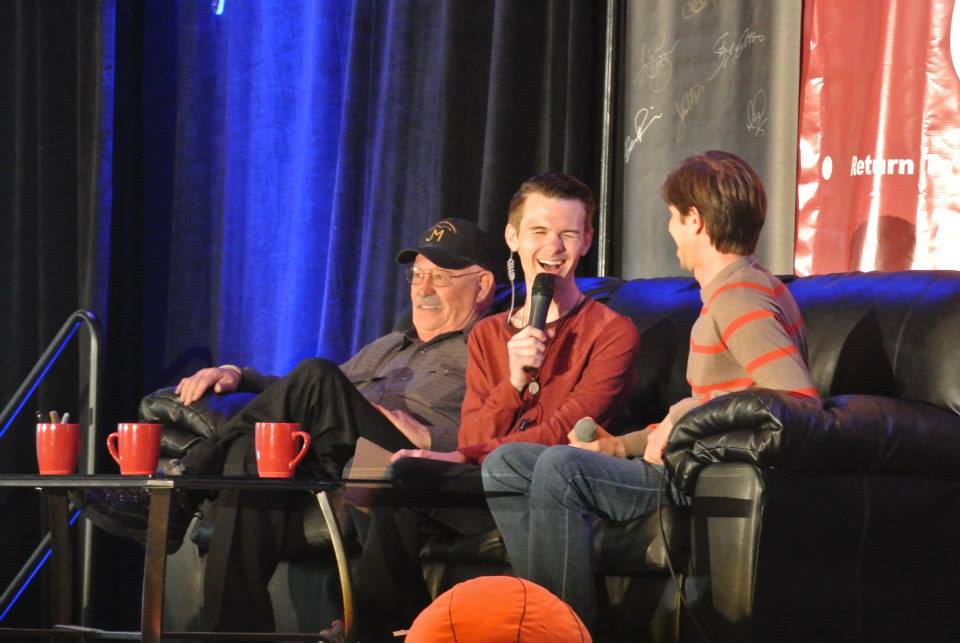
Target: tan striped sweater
x: 749, y: 334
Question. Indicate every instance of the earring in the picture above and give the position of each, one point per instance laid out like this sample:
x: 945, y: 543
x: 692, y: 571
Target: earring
x: 511, y: 275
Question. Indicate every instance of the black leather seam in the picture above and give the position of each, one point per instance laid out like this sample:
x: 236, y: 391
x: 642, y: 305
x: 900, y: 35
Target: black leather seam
x: 902, y: 331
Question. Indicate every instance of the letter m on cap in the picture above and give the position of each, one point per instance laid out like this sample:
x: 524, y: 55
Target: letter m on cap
x: 436, y: 232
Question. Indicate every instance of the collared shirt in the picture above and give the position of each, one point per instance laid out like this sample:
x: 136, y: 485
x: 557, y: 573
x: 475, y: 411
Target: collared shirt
x: 425, y: 379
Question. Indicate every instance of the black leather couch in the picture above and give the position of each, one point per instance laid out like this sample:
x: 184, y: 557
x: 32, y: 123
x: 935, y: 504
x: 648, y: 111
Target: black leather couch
x: 808, y: 522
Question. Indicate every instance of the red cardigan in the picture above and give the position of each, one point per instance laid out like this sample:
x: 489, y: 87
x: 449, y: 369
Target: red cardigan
x: 587, y: 371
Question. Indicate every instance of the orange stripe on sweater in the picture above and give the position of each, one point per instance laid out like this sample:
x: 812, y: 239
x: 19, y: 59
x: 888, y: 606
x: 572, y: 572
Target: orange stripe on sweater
x: 709, y: 349
x: 773, y: 292
x: 734, y: 326
x: 743, y: 320
x: 730, y: 385
x: 770, y: 356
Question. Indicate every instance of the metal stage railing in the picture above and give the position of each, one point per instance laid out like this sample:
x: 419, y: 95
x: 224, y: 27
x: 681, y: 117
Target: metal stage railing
x: 87, y: 417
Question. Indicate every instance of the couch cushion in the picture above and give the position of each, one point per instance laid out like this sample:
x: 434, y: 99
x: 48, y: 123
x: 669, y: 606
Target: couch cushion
x: 890, y: 334
x: 663, y: 311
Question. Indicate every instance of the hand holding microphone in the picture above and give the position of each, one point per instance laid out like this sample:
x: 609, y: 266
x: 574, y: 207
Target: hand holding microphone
x: 590, y: 436
x: 526, y: 349
x: 585, y: 430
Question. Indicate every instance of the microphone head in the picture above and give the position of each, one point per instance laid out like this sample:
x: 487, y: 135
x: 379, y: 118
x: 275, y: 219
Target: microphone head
x: 541, y: 294
x: 543, y: 285
x: 585, y: 430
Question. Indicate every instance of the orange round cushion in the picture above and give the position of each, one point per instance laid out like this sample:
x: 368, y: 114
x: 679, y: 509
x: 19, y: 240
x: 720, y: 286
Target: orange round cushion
x: 491, y: 609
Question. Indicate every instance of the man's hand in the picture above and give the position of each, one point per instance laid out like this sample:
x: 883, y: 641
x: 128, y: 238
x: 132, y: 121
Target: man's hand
x: 603, y: 442
x: 413, y: 430
x: 657, y: 442
x: 526, y: 349
x: 222, y: 380
x: 443, y: 456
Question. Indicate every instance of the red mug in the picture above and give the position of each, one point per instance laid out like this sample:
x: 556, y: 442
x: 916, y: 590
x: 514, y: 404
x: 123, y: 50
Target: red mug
x: 276, y: 444
x: 135, y: 446
x: 57, y: 448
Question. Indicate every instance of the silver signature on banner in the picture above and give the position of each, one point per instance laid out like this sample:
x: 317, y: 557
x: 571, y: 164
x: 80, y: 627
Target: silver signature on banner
x: 690, y: 99
x: 656, y: 63
x: 694, y: 8
x: 727, y: 49
x: 757, y: 113
x: 642, y: 121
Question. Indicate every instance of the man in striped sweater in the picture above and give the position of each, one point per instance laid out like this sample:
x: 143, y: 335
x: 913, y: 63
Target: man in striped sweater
x: 749, y: 334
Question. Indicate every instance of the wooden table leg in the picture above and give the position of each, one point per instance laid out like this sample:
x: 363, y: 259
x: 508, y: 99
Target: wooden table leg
x: 155, y: 565
x: 62, y: 556
x: 340, y: 554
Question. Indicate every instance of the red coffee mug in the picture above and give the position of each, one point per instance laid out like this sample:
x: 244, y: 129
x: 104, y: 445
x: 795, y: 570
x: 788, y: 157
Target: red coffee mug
x: 57, y: 448
x: 276, y: 444
x: 135, y: 446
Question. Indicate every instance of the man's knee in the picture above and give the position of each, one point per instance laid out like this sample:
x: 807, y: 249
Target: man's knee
x: 509, y: 463
x: 314, y: 368
x: 561, y: 470
x: 495, y: 463
x: 558, y: 461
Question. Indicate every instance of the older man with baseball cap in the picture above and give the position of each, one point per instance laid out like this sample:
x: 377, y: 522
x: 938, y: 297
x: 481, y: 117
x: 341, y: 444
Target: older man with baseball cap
x: 394, y: 378
x: 403, y: 390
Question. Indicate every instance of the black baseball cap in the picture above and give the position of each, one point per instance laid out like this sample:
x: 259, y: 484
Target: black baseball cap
x: 456, y: 243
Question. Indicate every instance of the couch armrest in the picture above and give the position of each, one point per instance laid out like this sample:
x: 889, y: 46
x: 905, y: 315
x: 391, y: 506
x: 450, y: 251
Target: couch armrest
x: 846, y: 433
x: 185, y: 425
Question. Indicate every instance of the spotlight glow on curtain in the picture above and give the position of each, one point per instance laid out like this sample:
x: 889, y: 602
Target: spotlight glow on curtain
x: 285, y: 67
x: 316, y: 138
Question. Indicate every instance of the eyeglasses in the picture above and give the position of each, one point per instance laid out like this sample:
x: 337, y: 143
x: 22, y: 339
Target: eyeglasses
x: 440, y: 278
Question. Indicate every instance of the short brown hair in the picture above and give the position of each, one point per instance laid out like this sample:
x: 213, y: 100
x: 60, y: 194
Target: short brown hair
x: 727, y: 192
x: 555, y: 185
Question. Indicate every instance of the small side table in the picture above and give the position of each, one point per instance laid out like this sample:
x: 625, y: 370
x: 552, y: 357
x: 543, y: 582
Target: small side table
x: 160, y: 489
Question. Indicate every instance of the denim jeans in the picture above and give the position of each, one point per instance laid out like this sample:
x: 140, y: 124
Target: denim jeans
x: 546, y: 523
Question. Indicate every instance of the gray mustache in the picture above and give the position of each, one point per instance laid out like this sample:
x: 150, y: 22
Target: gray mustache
x: 430, y: 300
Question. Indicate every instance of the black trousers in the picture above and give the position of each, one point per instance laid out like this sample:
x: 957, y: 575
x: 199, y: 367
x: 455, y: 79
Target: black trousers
x: 250, y: 527
x: 430, y: 499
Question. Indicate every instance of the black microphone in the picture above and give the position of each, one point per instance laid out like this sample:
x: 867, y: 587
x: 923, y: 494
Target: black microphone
x: 540, y: 297
x: 585, y: 430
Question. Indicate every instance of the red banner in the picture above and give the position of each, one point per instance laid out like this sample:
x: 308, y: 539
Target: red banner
x: 879, y: 179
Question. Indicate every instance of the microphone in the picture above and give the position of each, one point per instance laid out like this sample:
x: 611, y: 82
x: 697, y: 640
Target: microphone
x: 540, y: 297
x: 585, y: 430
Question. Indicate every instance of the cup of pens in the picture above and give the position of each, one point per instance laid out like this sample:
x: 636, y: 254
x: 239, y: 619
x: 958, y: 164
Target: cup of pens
x: 58, y: 445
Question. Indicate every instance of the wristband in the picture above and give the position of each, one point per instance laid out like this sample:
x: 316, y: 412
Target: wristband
x: 232, y: 367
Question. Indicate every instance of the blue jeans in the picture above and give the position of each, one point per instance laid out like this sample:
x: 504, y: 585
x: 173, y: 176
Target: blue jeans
x: 547, y: 528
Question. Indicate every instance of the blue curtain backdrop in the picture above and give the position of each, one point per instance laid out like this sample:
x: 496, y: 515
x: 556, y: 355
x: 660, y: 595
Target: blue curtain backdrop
x: 259, y: 105
x: 314, y: 139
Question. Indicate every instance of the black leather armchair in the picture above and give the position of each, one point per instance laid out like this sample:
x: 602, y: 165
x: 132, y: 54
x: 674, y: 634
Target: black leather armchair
x: 836, y: 523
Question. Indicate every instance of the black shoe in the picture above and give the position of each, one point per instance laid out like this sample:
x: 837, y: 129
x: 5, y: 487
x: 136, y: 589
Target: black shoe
x: 124, y: 512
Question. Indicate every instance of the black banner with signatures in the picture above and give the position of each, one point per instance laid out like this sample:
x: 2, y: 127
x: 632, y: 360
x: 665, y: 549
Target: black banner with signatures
x: 699, y: 75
